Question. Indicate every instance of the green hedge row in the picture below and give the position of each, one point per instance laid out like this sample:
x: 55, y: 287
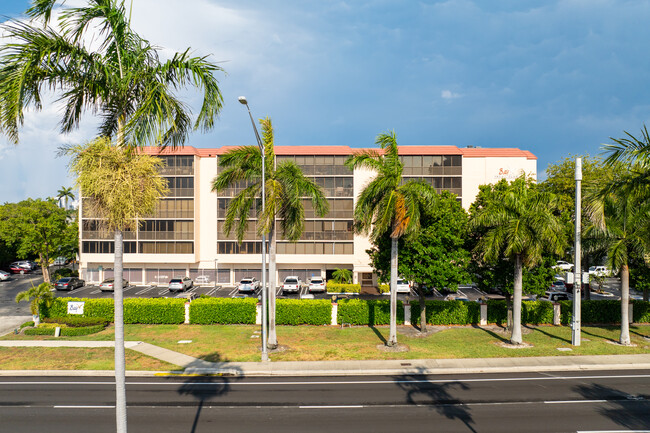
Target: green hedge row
x: 226, y: 311
x: 303, y: 312
x: 367, y: 312
x: 65, y: 332
x: 334, y: 287
x: 136, y: 310
x: 447, y: 312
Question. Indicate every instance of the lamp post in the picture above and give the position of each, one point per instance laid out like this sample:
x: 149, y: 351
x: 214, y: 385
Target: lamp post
x: 577, y: 279
x: 265, y: 354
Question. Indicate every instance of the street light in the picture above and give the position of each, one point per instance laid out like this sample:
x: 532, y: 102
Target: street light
x: 265, y: 354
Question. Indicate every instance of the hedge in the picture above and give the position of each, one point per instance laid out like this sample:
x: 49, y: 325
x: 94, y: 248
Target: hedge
x: 303, y: 312
x: 447, y: 312
x: 367, y: 312
x: 65, y: 332
x: 76, y: 321
x: 334, y: 287
x: 136, y: 310
x: 207, y: 311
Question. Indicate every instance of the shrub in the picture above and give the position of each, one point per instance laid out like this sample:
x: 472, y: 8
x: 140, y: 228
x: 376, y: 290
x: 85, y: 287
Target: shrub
x: 603, y: 311
x: 92, y: 308
x: 537, y: 312
x: 367, y: 312
x: 641, y: 312
x: 65, y: 332
x: 77, y: 321
x: 303, y: 312
x: 384, y: 288
x: 154, y: 311
x: 334, y: 287
x: 206, y: 311
x: 447, y: 312
x: 497, y: 311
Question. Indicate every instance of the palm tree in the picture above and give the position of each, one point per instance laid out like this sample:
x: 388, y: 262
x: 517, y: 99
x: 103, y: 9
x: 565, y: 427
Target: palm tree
x: 620, y: 222
x: 121, y: 78
x: 286, y: 186
x: 520, y: 223
x: 388, y: 205
x: 65, y: 194
x: 342, y: 276
x: 37, y: 295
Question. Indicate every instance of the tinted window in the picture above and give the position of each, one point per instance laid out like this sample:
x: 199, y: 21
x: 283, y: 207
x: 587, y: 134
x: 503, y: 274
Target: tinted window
x: 175, y: 281
x: 291, y: 281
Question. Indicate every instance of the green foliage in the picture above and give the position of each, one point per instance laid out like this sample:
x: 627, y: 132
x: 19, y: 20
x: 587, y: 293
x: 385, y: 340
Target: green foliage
x: 154, y: 311
x: 207, y: 311
x: 39, y: 297
x: 102, y: 308
x: 436, y: 255
x: 342, y: 276
x: 600, y: 312
x: 367, y: 312
x: 334, y: 287
x: 64, y: 272
x: 303, y: 312
x: 384, y: 288
x: 76, y: 321
x: 641, y: 311
x: 65, y: 332
x: 448, y: 312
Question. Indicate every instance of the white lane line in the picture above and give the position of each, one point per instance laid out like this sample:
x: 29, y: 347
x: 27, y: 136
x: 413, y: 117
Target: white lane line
x: 211, y: 292
x: 145, y: 290
x: 574, y: 401
x: 94, y: 292
x: 83, y: 407
x: 332, y: 407
x: 613, y: 431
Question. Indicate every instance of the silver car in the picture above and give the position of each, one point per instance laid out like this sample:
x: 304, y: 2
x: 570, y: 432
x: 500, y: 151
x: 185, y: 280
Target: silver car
x: 180, y: 284
x: 248, y: 285
x: 316, y: 284
x: 108, y: 285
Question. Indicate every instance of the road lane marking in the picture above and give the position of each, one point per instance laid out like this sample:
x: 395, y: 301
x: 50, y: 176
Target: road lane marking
x: 352, y: 406
x: 83, y: 407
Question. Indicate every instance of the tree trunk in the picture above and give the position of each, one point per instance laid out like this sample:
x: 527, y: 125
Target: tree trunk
x: 120, y: 362
x: 625, y: 301
x: 645, y: 295
x: 515, y: 337
x: 44, y: 268
x: 423, y: 310
x: 273, y: 338
x: 392, y: 339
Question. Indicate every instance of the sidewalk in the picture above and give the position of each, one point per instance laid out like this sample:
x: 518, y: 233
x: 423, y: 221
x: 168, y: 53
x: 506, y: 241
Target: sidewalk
x: 193, y: 365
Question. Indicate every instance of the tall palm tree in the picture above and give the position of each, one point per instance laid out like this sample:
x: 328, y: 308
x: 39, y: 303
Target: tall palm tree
x: 286, y: 186
x: 64, y: 194
x: 520, y: 223
x: 620, y: 223
x: 387, y: 204
x: 114, y: 73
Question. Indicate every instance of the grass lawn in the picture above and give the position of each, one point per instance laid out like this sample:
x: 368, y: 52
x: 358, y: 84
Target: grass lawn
x: 314, y: 343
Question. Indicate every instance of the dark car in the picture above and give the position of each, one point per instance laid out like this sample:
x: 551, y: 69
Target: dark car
x: 69, y: 283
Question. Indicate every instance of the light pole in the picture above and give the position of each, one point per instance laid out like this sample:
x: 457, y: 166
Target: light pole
x: 265, y: 354
x: 577, y: 278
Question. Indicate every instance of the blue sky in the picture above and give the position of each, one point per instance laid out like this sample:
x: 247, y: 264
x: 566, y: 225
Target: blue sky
x: 552, y: 77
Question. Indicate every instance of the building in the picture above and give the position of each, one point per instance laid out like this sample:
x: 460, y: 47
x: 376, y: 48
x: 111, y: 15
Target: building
x: 185, y: 237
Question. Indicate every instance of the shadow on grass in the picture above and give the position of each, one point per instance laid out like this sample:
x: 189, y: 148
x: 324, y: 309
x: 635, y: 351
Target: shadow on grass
x: 602, y: 337
x: 548, y: 334
x: 208, y: 388
x: 635, y: 330
x: 436, y: 396
x: 629, y: 411
x: 378, y: 334
x: 492, y: 333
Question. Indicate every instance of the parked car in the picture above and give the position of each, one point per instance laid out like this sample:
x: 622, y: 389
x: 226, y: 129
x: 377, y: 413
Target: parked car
x: 4, y: 276
x: 403, y: 286
x: 557, y: 296
x: 248, y: 284
x: 291, y: 284
x: 17, y: 269
x: 565, y: 266
x: 316, y: 284
x: 558, y: 286
x: 600, y: 271
x: 25, y: 264
x: 69, y: 283
x: 180, y: 284
x: 107, y: 285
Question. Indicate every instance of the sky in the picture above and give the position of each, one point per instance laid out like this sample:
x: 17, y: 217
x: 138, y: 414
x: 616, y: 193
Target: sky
x: 557, y: 78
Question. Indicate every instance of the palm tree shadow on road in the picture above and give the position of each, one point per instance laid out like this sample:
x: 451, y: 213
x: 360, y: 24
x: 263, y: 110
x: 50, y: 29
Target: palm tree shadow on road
x: 208, y: 388
x: 436, y: 396
x: 629, y: 411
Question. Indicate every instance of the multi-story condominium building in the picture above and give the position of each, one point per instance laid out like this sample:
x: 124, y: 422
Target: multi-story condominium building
x: 185, y: 236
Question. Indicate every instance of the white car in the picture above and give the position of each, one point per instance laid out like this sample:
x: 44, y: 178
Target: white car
x: 249, y: 284
x: 316, y: 284
x: 180, y: 284
x: 291, y: 284
x: 565, y: 266
x: 4, y: 276
x: 403, y: 286
x: 557, y: 296
x: 600, y: 271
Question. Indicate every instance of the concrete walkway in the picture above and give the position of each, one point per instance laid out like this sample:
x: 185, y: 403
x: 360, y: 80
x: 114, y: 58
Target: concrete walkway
x: 193, y: 365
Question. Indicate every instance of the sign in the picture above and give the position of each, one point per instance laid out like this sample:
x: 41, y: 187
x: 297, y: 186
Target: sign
x: 75, y: 307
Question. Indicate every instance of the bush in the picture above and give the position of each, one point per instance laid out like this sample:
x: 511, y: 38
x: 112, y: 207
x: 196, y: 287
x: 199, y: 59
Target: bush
x: 384, y: 288
x: 334, y: 287
x: 136, y: 310
x: 497, y: 311
x: 447, y: 312
x: 77, y: 321
x: 65, y: 332
x: 367, y: 312
x: 207, y: 311
x: 303, y: 312
x: 93, y: 308
x: 604, y: 311
x: 537, y: 312
x: 641, y: 312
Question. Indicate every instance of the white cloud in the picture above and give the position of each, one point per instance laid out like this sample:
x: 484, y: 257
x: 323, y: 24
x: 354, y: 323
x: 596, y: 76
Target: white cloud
x: 448, y: 94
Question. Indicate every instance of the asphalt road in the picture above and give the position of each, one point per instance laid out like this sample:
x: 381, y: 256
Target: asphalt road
x: 550, y: 402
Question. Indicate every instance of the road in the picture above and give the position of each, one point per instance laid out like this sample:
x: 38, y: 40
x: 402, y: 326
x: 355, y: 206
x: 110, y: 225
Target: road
x: 531, y: 402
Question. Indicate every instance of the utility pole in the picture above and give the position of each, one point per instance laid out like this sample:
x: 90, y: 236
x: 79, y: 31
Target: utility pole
x: 577, y: 269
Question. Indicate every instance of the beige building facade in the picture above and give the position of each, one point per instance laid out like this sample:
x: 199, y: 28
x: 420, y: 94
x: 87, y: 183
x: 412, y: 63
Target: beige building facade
x: 185, y: 236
